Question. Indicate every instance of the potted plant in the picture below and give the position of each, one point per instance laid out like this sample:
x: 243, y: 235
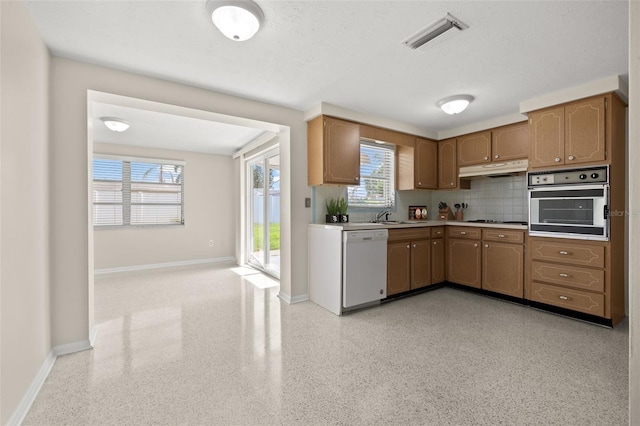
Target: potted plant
x: 342, y: 210
x: 337, y: 210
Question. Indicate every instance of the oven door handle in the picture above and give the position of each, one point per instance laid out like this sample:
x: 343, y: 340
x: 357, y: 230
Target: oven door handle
x: 606, y: 212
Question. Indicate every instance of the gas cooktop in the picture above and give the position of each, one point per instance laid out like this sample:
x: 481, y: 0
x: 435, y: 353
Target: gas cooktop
x: 506, y: 222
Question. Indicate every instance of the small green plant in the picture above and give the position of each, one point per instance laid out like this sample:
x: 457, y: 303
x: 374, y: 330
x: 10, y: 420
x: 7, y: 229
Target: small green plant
x: 342, y: 206
x: 336, y: 206
x: 332, y: 206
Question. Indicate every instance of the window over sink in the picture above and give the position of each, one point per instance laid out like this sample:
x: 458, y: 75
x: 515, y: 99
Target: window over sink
x: 377, y: 173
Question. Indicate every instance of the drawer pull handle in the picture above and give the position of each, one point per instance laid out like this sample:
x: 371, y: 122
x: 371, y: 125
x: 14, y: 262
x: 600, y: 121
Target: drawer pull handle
x: 564, y: 275
x: 463, y: 233
x: 500, y: 235
x: 564, y: 298
x: 564, y: 253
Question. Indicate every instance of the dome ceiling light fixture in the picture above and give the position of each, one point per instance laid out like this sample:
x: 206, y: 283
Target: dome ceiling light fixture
x: 455, y: 104
x: 115, y: 124
x: 237, y: 20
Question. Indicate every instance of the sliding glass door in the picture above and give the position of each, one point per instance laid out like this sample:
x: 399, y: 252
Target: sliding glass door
x: 263, y: 176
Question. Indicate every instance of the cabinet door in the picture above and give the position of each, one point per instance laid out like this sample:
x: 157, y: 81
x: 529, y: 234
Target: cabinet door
x: 426, y: 164
x: 464, y: 264
x: 447, y: 164
x: 474, y: 148
x: 398, y: 267
x: 503, y: 268
x: 341, y: 152
x: 584, y: 132
x: 438, y: 274
x: 420, y: 264
x: 546, y: 137
x: 510, y: 142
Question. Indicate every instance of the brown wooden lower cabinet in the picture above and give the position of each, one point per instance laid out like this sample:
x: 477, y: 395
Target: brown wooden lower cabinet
x: 438, y: 270
x: 408, y: 260
x: 464, y: 266
x: 398, y: 267
x: 503, y: 268
x: 420, y: 264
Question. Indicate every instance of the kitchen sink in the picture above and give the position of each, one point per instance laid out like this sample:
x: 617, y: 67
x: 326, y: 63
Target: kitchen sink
x: 365, y: 224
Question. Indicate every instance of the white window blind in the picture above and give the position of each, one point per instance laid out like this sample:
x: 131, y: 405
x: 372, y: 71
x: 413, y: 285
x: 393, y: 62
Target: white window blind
x: 377, y: 174
x: 137, y: 192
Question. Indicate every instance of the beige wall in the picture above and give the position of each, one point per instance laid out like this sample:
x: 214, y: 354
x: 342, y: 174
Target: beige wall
x: 208, y: 189
x: 634, y: 208
x: 24, y: 225
x: 71, y: 248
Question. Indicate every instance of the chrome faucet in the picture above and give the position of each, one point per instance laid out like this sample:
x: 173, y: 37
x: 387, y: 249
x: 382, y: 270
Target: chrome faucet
x: 384, y: 213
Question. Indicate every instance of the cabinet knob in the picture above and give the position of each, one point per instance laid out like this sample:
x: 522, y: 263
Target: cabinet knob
x: 571, y: 158
x: 408, y: 246
x: 557, y: 159
x: 564, y: 298
x: 414, y: 246
x: 486, y: 158
x: 486, y: 246
x: 452, y: 184
x: 564, y: 253
x: 475, y: 245
x: 435, y: 243
x: 357, y: 178
x: 496, y: 156
x: 564, y: 275
x: 419, y: 183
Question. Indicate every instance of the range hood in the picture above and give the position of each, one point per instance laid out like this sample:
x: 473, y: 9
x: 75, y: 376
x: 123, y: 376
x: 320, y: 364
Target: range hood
x: 505, y: 168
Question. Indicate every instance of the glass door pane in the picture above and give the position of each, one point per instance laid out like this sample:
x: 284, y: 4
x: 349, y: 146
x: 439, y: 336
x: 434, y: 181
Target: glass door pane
x: 264, y: 212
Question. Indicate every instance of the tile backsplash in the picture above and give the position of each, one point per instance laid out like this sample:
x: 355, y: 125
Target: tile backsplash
x: 502, y: 198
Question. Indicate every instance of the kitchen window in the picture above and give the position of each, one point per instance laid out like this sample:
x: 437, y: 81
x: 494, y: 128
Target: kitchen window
x: 376, y: 189
x: 137, y: 191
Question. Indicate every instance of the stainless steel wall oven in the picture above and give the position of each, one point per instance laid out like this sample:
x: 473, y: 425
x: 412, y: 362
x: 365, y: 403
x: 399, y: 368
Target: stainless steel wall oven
x: 570, y: 203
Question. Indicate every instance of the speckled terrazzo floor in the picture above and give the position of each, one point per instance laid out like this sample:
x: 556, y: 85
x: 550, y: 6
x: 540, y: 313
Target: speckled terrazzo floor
x: 202, y: 345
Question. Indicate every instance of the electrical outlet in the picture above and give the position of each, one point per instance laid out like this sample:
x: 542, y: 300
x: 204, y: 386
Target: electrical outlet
x: 307, y: 202
x: 210, y: 243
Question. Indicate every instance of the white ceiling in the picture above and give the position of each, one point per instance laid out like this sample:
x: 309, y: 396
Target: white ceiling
x: 349, y: 53
x: 153, y: 129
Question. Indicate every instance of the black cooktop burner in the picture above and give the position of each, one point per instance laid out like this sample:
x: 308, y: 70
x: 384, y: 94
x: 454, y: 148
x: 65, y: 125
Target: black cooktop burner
x: 506, y: 222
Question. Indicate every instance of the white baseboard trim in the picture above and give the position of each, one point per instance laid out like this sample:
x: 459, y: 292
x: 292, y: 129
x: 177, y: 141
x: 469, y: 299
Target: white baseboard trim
x: 32, y: 392
x: 163, y: 265
x: 291, y: 300
x: 93, y: 336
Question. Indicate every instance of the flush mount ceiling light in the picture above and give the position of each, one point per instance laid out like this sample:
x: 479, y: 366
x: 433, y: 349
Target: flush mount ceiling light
x: 115, y: 124
x: 238, y: 20
x: 455, y: 104
x: 436, y: 32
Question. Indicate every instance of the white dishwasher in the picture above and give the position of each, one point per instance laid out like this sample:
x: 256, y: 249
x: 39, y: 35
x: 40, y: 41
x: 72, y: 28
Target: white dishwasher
x: 364, y: 266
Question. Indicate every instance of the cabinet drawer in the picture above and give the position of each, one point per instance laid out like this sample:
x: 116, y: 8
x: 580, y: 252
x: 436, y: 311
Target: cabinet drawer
x: 576, y: 300
x: 571, y: 253
x: 461, y: 232
x: 503, y: 235
x: 409, y: 234
x: 437, y: 232
x: 571, y: 276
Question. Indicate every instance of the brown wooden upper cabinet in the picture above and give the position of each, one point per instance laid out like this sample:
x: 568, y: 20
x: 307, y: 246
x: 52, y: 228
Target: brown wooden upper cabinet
x: 333, y: 151
x: 500, y: 144
x: 426, y: 164
x: 510, y: 142
x: 448, y: 166
x: 474, y: 148
x: 573, y: 133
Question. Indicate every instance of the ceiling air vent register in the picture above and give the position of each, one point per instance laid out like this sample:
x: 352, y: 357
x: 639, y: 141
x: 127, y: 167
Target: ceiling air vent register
x: 436, y: 32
